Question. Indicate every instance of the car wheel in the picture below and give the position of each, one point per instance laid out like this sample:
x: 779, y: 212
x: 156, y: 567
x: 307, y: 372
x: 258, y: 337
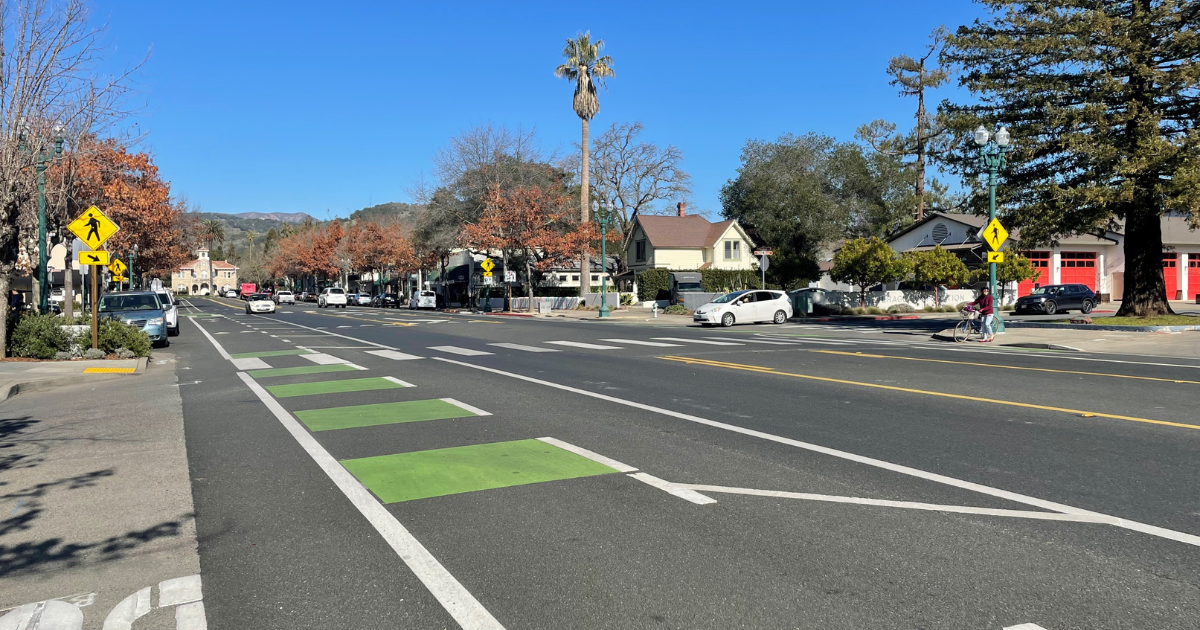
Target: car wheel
x: 247, y: 310
x: 173, y: 332
x: 727, y: 320
x: 780, y: 317
x: 1051, y: 307
x: 1087, y: 307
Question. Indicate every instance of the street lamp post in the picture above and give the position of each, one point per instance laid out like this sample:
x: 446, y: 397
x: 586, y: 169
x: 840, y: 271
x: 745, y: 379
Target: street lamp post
x: 41, y: 158
x: 602, y: 218
x: 133, y: 255
x: 991, y: 158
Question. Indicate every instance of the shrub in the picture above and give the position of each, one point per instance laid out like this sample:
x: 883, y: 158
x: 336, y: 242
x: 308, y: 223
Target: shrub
x: 874, y: 310
x: 960, y: 306
x: 40, y: 336
x: 823, y: 309
x: 626, y: 299
x: 63, y: 356
x: 653, y: 284
x: 931, y: 309
x: 901, y: 308
x: 951, y: 309
x: 114, y: 334
x: 677, y: 309
x: 1007, y: 307
x: 93, y: 353
x: 125, y: 353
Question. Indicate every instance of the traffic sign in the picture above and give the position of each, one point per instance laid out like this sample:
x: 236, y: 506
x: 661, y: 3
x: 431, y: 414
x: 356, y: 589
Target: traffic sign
x: 995, y: 257
x: 762, y: 252
x: 488, y: 265
x: 119, y: 278
x: 995, y: 235
x: 117, y: 267
x: 93, y: 258
x: 510, y: 276
x: 93, y: 228
x: 764, y: 262
x: 489, y: 279
x: 487, y: 274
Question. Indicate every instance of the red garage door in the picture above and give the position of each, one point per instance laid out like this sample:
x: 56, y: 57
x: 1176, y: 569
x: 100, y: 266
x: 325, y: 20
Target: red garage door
x: 1078, y: 268
x: 1171, y: 273
x: 1041, y: 260
x: 1193, y: 275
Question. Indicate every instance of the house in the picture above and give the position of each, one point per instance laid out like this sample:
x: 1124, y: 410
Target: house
x: 203, y: 275
x: 687, y: 242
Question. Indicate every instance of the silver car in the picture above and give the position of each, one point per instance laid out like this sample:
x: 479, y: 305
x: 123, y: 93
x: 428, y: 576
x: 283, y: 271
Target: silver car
x: 745, y: 307
x: 170, y: 310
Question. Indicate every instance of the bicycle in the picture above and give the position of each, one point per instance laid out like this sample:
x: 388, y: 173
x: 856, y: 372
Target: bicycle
x: 971, y: 325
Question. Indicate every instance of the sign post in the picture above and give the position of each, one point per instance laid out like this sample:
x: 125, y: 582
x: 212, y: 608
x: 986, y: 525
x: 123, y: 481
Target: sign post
x: 93, y: 228
x: 764, y: 261
x: 487, y: 265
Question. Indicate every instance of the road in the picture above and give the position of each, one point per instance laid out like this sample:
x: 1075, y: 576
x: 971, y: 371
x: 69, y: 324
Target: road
x: 361, y: 468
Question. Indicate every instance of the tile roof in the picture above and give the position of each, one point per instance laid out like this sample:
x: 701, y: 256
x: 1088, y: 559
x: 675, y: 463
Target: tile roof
x: 685, y: 231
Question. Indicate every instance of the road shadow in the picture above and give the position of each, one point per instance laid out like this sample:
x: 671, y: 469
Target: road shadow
x: 10, y: 457
x: 56, y: 554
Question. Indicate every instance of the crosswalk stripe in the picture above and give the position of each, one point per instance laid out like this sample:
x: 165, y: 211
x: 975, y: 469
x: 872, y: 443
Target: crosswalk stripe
x: 703, y: 341
x: 639, y: 342
x: 580, y: 344
x: 323, y: 359
x: 392, y: 354
x: 517, y: 346
x: 466, y: 352
x: 774, y: 343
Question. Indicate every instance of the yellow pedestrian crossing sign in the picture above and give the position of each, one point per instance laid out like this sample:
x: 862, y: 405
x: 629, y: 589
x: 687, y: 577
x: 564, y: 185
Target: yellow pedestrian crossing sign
x: 93, y: 228
x: 995, y: 235
x: 995, y: 257
x: 93, y: 258
x: 117, y: 267
x: 488, y: 265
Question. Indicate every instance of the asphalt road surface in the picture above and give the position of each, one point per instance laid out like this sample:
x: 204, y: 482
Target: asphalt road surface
x: 366, y: 468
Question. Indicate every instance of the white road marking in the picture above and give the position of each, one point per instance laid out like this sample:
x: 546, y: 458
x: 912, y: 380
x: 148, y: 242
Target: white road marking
x: 48, y: 615
x: 1152, y: 530
x: 703, y: 341
x: 639, y: 342
x: 221, y: 333
x: 355, y: 366
x: 466, y: 352
x: 122, y: 616
x: 323, y: 359
x: 392, y: 354
x: 669, y: 488
x: 774, y: 343
x: 517, y: 346
x: 345, y: 326
x: 475, y: 410
x: 184, y: 590
x: 1025, y: 626
x: 398, y: 381
x: 583, y: 452
x: 580, y: 344
x: 247, y: 331
x: 251, y: 363
x: 191, y: 617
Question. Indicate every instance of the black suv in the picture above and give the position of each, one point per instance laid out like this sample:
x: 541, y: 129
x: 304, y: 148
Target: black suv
x: 387, y: 300
x: 1057, y: 298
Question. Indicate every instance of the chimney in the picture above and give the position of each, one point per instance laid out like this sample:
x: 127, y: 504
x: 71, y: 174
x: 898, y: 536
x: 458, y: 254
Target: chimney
x: 682, y: 208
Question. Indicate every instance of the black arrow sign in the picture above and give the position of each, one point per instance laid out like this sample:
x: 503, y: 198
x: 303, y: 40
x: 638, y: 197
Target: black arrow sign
x: 93, y: 258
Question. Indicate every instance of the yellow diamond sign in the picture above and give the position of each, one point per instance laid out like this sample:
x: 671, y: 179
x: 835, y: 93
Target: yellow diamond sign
x: 995, y: 235
x: 93, y: 228
x: 117, y: 267
x: 487, y: 265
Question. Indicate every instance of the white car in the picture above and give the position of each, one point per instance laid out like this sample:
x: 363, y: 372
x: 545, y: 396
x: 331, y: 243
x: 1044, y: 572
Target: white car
x: 230, y: 293
x: 259, y: 303
x: 423, y: 299
x: 363, y: 299
x: 332, y: 296
x: 170, y: 308
x: 285, y: 297
x: 745, y: 307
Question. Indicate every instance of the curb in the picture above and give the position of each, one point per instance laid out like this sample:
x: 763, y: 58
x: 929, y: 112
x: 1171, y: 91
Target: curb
x: 1040, y: 346
x: 46, y: 384
x: 1012, y: 324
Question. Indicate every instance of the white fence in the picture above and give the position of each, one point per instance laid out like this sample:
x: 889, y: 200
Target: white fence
x: 556, y: 303
x: 915, y: 299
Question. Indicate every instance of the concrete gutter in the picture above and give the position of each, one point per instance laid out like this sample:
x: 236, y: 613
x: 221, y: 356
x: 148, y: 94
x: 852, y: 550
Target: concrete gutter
x: 1172, y: 329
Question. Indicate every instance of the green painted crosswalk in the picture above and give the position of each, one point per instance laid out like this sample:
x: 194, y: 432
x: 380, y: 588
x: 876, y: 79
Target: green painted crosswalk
x: 445, y: 471
x: 335, y: 387
x: 381, y: 413
x: 269, y: 353
x: 306, y: 369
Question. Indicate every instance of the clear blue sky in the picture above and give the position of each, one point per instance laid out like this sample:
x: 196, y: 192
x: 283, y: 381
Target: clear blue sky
x: 331, y: 106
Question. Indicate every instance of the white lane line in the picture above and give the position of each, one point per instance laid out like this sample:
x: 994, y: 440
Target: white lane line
x: 333, y: 334
x: 453, y: 596
x: 639, y: 342
x: 1152, y: 530
x: 184, y: 590
x: 355, y: 366
x: 323, y: 359
x: 669, y: 488
x: 466, y: 352
x: 221, y: 333
x: 224, y: 355
x: 1025, y: 626
x: 774, y: 343
x: 703, y: 341
x: 583, y: 452
x: 393, y: 355
x: 475, y: 410
x: 345, y: 327
x: 517, y: 346
x: 910, y: 505
x: 580, y: 344
x: 398, y: 381
x: 251, y: 363
x: 247, y: 331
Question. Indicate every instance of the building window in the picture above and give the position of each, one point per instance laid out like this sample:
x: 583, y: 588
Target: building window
x: 562, y: 278
x: 1040, y: 260
x: 1078, y: 259
x: 575, y: 278
x: 704, y: 255
x: 595, y: 278
x: 641, y: 251
x: 733, y: 250
x: 1169, y: 260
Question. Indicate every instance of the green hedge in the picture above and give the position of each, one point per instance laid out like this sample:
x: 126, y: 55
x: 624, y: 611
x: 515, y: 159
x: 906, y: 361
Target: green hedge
x: 654, y: 284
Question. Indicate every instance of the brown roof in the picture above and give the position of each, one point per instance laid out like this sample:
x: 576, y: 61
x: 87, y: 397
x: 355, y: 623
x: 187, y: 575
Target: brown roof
x: 217, y: 264
x: 686, y: 231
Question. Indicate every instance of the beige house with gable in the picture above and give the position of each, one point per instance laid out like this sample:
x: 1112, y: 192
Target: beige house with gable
x: 687, y: 242
x: 203, y: 275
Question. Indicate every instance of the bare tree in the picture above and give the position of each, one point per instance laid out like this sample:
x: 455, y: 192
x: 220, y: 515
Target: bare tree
x: 49, y: 53
x: 633, y: 175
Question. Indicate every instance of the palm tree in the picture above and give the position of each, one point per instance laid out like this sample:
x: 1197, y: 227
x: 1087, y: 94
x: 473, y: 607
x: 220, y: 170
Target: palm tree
x: 586, y: 68
x: 212, y: 230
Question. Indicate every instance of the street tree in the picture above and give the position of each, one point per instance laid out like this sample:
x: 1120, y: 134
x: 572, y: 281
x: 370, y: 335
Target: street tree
x: 1015, y: 268
x: 936, y: 267
x: 584, y: 66
x: 212, y: 231
x: 865, y: 263
x: 1100, y: 99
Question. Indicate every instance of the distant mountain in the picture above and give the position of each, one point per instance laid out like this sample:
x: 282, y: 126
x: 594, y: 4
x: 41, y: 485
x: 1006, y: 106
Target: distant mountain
x: 392, y: 212
x: 286, y: 217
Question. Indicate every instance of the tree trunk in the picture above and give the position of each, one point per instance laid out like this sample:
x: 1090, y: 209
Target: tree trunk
x: 507, y: 286
x: 585, y: 264
x: 921, y: 153
x: 6, y: 291
x: 1145, y: 292
x: 69, y: 288
x: 529, y: 281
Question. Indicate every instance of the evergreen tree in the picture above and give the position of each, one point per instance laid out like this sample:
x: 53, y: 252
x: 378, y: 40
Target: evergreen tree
x: 1100, y: 100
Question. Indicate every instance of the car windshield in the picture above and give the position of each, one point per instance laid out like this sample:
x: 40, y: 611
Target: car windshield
x: 688, y: 286
x: 111, y: 303
x: 285, y: 293
x: 257, y: 296
x: 729, y: 297
x: 336, y: 292
x: 1044, y: 290
x: 164, y: 298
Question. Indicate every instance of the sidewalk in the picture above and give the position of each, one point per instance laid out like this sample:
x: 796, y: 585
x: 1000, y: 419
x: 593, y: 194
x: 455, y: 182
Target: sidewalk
x: 96, y: 516
x: 28, y: 376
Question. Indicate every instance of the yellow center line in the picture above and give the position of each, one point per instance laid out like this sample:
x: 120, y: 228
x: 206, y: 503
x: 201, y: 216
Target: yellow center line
x: 1004, y: 367
x: 374, y: 321
x: 1009, y: 403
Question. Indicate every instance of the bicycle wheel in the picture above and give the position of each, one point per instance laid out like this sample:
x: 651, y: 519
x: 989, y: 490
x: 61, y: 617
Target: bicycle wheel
x: 962, y: 331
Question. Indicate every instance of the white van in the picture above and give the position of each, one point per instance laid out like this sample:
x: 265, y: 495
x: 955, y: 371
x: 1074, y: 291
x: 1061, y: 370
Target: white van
x: 332, y: 296
x: 423, y: 299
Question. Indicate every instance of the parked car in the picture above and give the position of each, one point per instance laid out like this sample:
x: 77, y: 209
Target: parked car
x: 362, y: 299
x: 1057, y: 298
x: 259, y: 303
x: 285, y: 297
x: 332, y: 296
x: 230, y: 293
x: 744, y: 307
x: 304, y: 296
x: 140, y: 309
x: 423, y: 299
x: 387, y: 300
x: 57, y: 295
x: 170, y: 311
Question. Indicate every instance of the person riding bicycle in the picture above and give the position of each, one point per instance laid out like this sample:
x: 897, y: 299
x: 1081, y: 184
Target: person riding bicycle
x: 984, y: 302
